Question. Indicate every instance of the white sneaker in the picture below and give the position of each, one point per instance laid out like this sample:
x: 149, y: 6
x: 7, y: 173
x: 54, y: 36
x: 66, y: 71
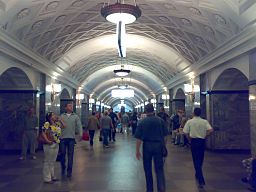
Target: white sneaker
x: 33, y: 157
x: 22, y: 158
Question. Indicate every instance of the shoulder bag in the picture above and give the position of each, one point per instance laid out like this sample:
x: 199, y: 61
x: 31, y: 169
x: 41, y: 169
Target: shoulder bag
x: 163, y: 148
x: 49, y: 136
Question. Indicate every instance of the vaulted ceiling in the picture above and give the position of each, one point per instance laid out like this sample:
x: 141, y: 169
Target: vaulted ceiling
x: 169, y: 37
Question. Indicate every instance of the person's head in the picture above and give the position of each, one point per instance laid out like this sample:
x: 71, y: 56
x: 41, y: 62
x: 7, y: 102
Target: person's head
x: 149, y: 108
x: 31, y: 111
x: 69, y: 107
x: 50, y: 117
x: 110, y: 110
x: 197, y: 111
x: 180, y: 112
x: 93, y: 113
x: 162, y: 109
x: 106, y: 113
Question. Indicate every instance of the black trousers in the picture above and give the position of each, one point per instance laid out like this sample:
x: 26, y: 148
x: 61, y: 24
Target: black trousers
x: 197, y: 149
x: 67, y: 144
x: 253, y: 174
x: 91, y: 134
x: 152, y: 151
x: 112, y: 134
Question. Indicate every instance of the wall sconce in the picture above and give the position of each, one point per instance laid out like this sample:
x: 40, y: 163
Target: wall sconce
x: 165, y: 97
x: 91, y: 101
x: 54, y: 89
x: 79, y: 97
x: 191, y: 89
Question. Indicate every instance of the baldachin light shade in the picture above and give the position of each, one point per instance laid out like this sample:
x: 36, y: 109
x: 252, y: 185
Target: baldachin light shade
x: 122, y: 72
x: 121, y: 12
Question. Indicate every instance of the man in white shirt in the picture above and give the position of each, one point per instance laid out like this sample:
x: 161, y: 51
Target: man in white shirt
x: 196, y: 130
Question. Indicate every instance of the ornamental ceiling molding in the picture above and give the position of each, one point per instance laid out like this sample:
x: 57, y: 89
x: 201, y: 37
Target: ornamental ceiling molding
x: 21, y: 53
x: 237, y: 45
x: 189, y: 53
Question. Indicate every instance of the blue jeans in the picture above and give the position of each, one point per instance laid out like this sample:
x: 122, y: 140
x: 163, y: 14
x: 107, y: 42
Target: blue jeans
x: 91, y: 134
x: 152, y: 151
x: 67, y: 144
x: 105, y: 136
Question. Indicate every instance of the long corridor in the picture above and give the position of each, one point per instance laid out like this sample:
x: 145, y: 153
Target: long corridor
x: 116, y: 169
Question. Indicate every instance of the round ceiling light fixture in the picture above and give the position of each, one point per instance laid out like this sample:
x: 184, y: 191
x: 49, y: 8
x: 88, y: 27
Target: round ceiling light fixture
x: 122, y: 72
x: 117, y: 12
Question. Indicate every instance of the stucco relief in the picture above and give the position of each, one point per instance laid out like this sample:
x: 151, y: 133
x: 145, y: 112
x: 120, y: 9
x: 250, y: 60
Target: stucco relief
x: 23, y: 13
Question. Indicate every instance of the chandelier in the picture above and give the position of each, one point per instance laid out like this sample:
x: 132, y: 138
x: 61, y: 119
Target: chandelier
x: 122, y: 72
x: 121, y: 14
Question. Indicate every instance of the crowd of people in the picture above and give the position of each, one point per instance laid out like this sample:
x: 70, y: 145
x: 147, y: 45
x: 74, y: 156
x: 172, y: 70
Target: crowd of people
x: 149, y: 128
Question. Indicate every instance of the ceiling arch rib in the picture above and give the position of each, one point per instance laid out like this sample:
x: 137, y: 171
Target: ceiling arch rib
x: 52, y: 28
x: 187, y: 31
x: 135, y: 57
x: 103, y: 43
x: 137, y: 92
x: 139, y: 74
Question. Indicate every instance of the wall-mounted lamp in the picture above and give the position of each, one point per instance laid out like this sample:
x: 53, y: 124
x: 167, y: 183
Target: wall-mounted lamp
x: 54, y: 89
x: 165, y: 97
x: 191, y: 89
x: 79, y: 98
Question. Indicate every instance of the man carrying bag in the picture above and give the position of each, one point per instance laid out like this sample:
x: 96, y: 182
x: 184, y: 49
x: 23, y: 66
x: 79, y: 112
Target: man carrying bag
x: 152, y: 132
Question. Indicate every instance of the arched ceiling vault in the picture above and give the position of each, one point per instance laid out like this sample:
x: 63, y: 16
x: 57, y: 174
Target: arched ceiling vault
x: 171, y: 35
x: 138, y: 74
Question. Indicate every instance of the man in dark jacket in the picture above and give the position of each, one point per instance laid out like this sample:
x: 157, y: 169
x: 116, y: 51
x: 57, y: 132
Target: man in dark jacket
x: 114, y: 118
x: 152, y: 132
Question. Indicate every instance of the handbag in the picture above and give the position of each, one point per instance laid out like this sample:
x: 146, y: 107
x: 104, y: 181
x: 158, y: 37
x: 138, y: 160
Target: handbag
x: 41, y: 138
x: 85, y: 136
x: 163, y: 147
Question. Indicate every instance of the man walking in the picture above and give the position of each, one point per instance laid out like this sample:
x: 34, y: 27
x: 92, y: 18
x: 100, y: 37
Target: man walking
x: 114, y: 118
x: 29, y: 134
x: 93, y: 125
x: 152, y: 132
x: 67, y: 143
x: 196, y: 130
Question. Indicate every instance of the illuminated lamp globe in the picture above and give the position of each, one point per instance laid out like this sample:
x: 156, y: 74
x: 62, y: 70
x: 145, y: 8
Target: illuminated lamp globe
x: 122, y: 72
x: 121, y: 12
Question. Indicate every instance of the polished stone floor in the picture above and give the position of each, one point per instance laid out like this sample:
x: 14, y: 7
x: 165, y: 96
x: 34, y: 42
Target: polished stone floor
x: 116, y: 169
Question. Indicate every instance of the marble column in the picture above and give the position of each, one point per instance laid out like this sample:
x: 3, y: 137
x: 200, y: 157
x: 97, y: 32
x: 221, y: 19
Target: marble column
x: 252, y: 100
x: 171, y: 109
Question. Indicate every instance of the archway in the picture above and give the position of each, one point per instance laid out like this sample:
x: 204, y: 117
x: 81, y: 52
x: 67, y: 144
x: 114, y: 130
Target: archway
x: 179, y: 100
x: 17, y: 95
x: 230, y: 111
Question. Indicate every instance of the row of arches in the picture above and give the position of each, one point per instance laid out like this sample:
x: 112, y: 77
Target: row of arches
x: 229, y: 107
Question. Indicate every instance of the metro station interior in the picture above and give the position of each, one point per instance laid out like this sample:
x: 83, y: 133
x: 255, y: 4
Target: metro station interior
x: 176, y: 54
